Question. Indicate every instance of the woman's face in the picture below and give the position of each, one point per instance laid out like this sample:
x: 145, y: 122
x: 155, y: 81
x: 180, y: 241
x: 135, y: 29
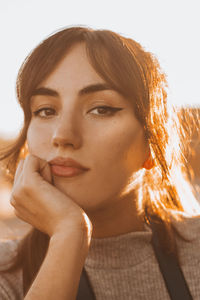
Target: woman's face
x: 68, y: 121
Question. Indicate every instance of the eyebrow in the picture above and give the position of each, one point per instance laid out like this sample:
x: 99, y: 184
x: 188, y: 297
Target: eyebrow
x: 93, y: 88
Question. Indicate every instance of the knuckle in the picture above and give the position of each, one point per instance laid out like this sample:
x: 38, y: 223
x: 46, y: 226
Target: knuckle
x: 13, y: 201
x: 15, y: 196
x: 17, y: 214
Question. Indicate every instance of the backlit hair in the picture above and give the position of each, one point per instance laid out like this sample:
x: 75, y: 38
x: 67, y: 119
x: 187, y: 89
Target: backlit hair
x: 163, y: 191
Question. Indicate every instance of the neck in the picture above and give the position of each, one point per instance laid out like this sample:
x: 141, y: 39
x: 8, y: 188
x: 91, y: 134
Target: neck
x: 120, y: 218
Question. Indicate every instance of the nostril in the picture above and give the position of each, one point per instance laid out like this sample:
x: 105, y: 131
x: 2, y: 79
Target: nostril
x: 62, y: 142
x: 64, y: 138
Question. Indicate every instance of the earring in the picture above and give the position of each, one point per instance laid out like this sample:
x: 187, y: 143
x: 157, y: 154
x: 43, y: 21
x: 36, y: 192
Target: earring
x: 24, y: 151
x: 149, y: 163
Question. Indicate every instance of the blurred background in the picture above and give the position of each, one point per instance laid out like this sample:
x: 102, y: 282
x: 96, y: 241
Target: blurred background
x: 169, y: 29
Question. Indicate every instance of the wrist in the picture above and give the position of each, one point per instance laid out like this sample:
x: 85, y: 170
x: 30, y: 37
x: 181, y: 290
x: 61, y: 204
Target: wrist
x: 78, y: 232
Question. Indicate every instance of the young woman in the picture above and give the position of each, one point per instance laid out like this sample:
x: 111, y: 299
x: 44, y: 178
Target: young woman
x: 97, y: 165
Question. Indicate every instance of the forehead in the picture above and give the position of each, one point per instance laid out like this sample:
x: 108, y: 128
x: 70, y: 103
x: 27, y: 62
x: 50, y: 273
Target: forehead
x: 73, y: 72
x: 75, y: 77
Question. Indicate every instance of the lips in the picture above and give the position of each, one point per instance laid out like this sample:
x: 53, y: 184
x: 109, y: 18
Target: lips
x: 66, y: 167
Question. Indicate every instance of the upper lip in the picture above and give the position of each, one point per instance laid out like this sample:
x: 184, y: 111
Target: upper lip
x: 67, y: 162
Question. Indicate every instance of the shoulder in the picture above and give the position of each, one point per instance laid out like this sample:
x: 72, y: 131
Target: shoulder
x: 8, y: 250
x: 187, y: 233
x: 188, y: 246
x: 188, y: 227
x: 11, y: 283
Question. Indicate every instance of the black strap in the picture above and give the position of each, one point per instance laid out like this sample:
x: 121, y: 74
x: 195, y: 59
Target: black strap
x: 85, y: 291
x: 169, y: 267
x: 173, y: 276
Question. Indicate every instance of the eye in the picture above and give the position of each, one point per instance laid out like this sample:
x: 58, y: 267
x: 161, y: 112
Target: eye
x: 44, y: 112
x: 105, y: 110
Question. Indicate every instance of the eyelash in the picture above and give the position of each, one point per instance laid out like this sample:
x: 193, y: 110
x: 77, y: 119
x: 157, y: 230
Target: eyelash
x: 44, y: 109
x: 112, y: 111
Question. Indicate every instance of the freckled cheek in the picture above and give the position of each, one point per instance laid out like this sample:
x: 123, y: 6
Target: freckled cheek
x: 39, y: 141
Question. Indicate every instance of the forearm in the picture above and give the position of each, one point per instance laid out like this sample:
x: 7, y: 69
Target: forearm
x: 59, y: 275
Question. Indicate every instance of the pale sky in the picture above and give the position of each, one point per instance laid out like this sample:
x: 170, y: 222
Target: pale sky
x: 170, y: 29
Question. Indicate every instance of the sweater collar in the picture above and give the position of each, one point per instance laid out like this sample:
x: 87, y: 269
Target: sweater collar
x: 120, y: 251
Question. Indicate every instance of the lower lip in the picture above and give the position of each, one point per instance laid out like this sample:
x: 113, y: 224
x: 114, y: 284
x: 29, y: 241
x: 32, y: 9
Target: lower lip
x: 66, y: 171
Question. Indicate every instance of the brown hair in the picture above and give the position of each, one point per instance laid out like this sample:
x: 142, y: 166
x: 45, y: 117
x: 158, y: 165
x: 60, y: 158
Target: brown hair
x: 136, y: 74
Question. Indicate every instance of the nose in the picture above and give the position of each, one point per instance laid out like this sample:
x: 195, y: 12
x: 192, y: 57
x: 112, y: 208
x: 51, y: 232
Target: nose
x: 67, y: 133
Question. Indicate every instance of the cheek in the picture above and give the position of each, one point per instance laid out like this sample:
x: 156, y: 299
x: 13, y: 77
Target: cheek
x: 121, y: 147
x: 39, y: 140
x: 137, y: 152
x: 116, y: 157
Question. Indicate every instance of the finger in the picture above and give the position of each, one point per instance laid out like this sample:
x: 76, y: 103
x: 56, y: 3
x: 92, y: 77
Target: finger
x: 19, y: 171
x: 15, y: 200
x: 22, y: 214
x: 34, y: 165
x: 26, y: 216
x: 12, y: 201
x: 31, y: 162
x: 45, y: 172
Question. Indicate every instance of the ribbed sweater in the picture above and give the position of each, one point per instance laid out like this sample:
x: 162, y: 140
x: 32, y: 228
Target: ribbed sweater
x: 123, y: 267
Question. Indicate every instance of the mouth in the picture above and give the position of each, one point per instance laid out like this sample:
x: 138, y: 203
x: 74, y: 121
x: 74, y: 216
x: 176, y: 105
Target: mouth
x: 66, y: 171
x: 66, y: 167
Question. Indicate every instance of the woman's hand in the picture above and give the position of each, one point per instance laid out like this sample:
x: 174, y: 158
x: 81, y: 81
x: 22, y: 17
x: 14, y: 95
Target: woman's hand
x: 39, y: 203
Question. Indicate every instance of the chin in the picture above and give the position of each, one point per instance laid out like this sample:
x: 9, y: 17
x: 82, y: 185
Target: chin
x: 73, y: 193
